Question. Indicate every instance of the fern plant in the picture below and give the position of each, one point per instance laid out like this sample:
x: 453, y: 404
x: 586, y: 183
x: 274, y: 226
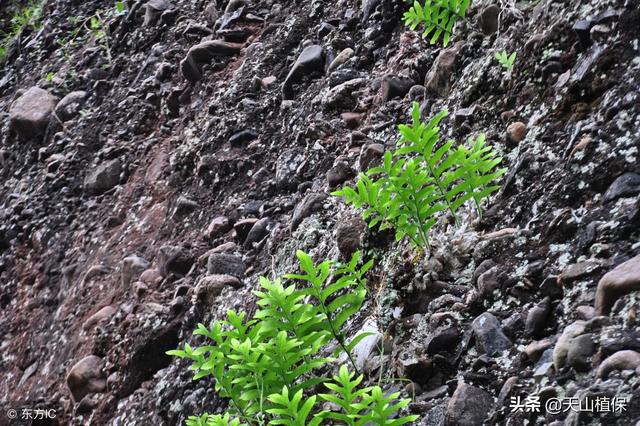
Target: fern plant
x: 423, y: 178
x: 505, y: 59
x: 264, y: 365
x: 438, y: 17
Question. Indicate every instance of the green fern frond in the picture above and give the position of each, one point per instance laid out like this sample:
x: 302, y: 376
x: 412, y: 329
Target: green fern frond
x: 422, y: 178
x: 438, y: 17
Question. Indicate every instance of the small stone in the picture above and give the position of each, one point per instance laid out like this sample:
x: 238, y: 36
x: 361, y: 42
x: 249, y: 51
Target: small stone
x: 29, y: 114
x: 537, y: 318
x: 349, y: 236
x: 342, y: 57
x: 210, y: 287
x: 286, y: 168
x: 104, y: 177
x: 468, y: 406
x: 580, y: 350
x: 582, y: 28
x: 395, y: 87
x: 488, y: 20
x: 226, y: 264
x: 339, y: 173
x: 351, y: 119
x: 535, y: 349
x: 310, y: 60
x: 86, y: 377
x: 624, y: 279
x: 184, y: 206
x: 626, y: 185
x: 516, y: 131
x: 243, y: 136
x: 258, y: 231
x: 370, y: 156
x: 309, y: 204
x: 438, y: 79
x: 151, y: 277
x: 203, y: 53
x: 173, y: 260
x: 132, y: 267
x: 417, y: 369
x: 489, y: 336
x: 564, y: 342
x: 219, y: 225
x: 577, y: 271
x: 243, y: 226
x: 70, y: 105
x: 622, y: 360
x: 103, y: 314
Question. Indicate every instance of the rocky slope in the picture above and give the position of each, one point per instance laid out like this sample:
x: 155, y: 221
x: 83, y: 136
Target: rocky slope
x: 203, y: 138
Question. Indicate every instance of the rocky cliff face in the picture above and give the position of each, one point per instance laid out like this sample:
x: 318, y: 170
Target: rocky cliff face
x: 151, y: 175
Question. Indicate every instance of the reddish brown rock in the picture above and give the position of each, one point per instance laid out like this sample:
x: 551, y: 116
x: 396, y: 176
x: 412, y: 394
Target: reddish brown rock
x: 622, y: 280
x: 86, y: 377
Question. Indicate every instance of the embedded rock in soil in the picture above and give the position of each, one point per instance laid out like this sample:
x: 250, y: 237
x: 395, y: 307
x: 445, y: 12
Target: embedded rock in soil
x: 210, y: 287
x: 309, y: 204
x: 468, y: 406
x: 219, y: 225
x: 103, y: 314
x: 395, y: 87
x: 489, y: 336
x: 70, y: 105
x: 203, y: 53
x: 349, y: 236
x: 517, y: 131
x: 622, y: 360
x: 86, y: 377
x: 561, y: 349
x: 104, y: 177
x: 439, y: 77
x: 258, y: 231
x: 339, y: 173
x: 226, y: 264
x: 29, y: 114
x: 627, y: 185
x: 581, y: 349
x: 489, y: 19
x: 310, y: 60
x: 624, y: 279
x: 132, y: 267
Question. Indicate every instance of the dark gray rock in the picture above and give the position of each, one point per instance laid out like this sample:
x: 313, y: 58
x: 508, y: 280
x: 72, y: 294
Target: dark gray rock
x: 537, y: 318
x: 29, y: 114
x: 349, y: 236
x: 104, y: 177
x: 489, y: 337
x: 287, y: 168
x: 581, y: 349
x: 339, y: 173
x: 174, y: 260
x: 370, y: 156
x: 310, y: 60
x: 488, y: 20
x: 243, y: 136
x: 309, y: 204
x: 258, y: 231
x: 395, y: 87
x: 468, y: 406
x: 203, y: 53
x: 225, y: 264
x: 70, y: 105
x: 439, y: 77
x: 627, y: 185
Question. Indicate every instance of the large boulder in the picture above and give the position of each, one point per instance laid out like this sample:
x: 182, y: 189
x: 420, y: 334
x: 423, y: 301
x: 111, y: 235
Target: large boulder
x: 624, y: 279
x: 29, y: 115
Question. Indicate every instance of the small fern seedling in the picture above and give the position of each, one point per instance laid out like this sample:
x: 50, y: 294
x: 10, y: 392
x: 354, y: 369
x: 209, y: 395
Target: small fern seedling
x: 438, y: 17
x: 505, y: 59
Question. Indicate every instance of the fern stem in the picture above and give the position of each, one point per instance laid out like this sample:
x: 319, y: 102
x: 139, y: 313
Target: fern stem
x: 333, y: 329
x: 442, y: 192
